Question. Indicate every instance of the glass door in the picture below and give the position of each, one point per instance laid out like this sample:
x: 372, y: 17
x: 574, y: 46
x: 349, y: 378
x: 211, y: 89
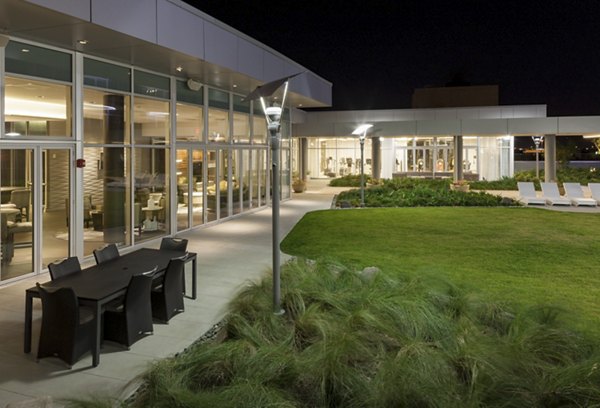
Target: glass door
x: 35, y: 209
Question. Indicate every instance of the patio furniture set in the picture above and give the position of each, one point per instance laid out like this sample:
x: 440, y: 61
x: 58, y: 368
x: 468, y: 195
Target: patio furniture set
x: 118, y: 299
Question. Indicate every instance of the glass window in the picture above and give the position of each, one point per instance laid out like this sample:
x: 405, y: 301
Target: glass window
x: 36, y: 108
x: 151, y: 121
x: 218, y: 126
x: 239, y: 105
x: 105, y: 117
x: 40, y: 62
x: 218, y: 99
x: 259, y: 127
x: 241, y: 128
x: 183, y: 198
x: 197, y: 187
x: 104, y: 75
x: 185, y: 94
x: 151, y: 191
x: 190, y: 122
x: 151, y: 85
x: 211, y: 186
x: 106, y: 183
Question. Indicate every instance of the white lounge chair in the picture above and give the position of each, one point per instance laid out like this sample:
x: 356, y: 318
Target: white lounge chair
x: 527, y: 194
x: 575, y: 194
x: 552, y: 196
x: 595, y: 191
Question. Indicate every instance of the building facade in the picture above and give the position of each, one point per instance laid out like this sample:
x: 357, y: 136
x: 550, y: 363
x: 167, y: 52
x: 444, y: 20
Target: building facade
x: 122, y: 122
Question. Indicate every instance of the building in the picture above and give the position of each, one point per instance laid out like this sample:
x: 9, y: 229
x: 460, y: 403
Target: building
x: 122, y: 122
x: 474, y: 142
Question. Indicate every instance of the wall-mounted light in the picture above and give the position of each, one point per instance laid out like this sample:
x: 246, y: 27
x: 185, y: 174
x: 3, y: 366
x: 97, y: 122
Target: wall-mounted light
x: 82, y: 42
x: 179, y: 68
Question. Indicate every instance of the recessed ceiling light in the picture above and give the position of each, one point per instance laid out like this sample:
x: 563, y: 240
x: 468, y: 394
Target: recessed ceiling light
x: 25, y: 50
x: 82, y: 42
x: 300, y: 105
x: 179, y: 68
x: 234, y: 85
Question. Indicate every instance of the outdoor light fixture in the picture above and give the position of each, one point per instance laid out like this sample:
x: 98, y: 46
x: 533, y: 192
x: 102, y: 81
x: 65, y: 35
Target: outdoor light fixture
x: 538, y: 141
x: 361, y: 131
x: 273, y: 117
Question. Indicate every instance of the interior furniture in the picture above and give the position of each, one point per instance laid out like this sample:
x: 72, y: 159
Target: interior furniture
x: 100, y: 284
x: 67, y: 330
x: 106, y: 254
x: 167, y: 299
x: 131, y: 319
x: 21, y: 199
x: 65, y: 267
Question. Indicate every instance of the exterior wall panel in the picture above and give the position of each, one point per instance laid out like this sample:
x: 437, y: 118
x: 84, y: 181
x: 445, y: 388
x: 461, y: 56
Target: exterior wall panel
x: 133, y: 17
x: 186, y: 36
x: 220, y: 46
x: 76, y: 8
x: 250, y: 59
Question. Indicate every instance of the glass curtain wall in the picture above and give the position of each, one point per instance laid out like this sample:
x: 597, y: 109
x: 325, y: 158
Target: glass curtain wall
x: 107, y: 149
x: 38, y: 107
x: 336, y: 157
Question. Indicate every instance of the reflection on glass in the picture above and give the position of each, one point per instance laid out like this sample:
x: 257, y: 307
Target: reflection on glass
x: 245, y: 179
x: 241, y: 128
x: 36, y: 108
x: 254, y: 178
x: 56, y: 201
x: 218, y: 126
x: 151, y: 121
x: 190, y: 122
x: 224, y: 185
x: 211, y: 186
x: 151, y: 191
x: 285, y: 174
x: 197, y: 187
x: 16, y: 214
x: 105, y: 117
x: 236, y: 162
x: 259, y: 127
x: 106, y: 195
x: 183, y: 200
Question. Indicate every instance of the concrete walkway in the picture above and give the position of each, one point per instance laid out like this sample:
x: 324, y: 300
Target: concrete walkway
x: 229, y: 254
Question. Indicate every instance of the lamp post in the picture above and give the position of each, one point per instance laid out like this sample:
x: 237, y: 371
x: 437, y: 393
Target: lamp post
x: 361, y: 131
x: 537, y: 140
x: 273, y: 117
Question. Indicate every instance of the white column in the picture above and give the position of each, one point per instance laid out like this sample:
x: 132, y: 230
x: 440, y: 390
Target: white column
x: 549, y: 158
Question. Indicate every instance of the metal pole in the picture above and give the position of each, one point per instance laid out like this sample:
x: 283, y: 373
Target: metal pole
x: 362, y: 170
x: 537, y: 162
x: 274, y: 130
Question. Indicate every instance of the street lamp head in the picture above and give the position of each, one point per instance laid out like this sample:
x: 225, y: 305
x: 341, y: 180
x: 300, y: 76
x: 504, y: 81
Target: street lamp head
x: 274, y: 113
x: 362, y: 130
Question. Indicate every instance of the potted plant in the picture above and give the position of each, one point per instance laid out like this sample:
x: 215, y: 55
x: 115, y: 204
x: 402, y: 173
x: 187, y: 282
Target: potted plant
x: 460, y: 185
x: 298, y: 185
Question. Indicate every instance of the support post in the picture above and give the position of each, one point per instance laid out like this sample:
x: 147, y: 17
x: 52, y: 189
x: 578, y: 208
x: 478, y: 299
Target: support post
x: 375, y: 158
x: 303, y: 158
x: 362, y: 169
x: 550, y: 158
x: 458, y: 158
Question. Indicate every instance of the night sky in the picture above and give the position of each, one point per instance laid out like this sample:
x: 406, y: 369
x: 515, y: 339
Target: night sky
x: 377, y: 52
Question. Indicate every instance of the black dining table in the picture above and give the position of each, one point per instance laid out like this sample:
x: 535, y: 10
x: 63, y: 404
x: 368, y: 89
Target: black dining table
x: 99, y: 284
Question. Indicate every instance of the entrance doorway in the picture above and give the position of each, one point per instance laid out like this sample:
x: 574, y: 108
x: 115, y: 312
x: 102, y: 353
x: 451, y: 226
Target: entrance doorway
x: 35, y: 186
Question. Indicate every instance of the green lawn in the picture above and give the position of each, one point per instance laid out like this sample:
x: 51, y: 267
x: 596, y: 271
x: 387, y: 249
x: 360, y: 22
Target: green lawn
x: 522, y: 256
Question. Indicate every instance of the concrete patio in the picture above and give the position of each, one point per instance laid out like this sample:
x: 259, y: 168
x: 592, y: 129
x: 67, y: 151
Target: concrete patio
x: 229, y: 255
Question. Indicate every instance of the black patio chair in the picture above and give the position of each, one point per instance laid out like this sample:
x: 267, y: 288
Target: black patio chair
x: 106, y: 254
x: 167, y: 299
x: 132, y: 319
x: 174, y: 244
x: 65, y: 267
x: 67, y: 329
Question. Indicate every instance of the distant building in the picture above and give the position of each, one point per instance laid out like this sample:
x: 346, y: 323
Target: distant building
x: 455, y: 96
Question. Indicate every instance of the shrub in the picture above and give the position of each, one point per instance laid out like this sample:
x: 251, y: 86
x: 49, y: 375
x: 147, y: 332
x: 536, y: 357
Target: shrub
x: 351, y: 180
x: 355, y: 340
x: 409, y: 192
